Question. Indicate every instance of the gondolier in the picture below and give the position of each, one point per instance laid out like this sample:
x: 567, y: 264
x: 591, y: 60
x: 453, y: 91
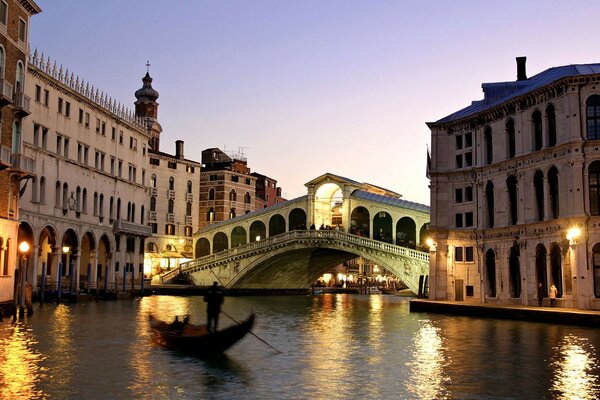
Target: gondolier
x: 214, y: 299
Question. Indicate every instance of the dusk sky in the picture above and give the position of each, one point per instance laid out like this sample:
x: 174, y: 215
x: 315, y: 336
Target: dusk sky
x: 308, y: 87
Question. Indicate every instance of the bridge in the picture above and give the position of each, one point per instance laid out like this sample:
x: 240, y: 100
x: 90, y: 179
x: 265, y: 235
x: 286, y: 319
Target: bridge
x: 291, y: 244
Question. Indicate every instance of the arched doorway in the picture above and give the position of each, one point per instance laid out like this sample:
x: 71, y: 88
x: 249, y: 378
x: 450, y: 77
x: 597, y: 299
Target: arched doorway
x: 556, y: 268
x: 540, y: 268
x: 69, y: 257
x: 276, y: 225
x: 25, y: 234
x: 328, y: 205
x: 47, y: 260
x: 490, y: 273
x: 382, y: 227
x: 360, y: 222
x: 86, y: 260
x: 202, y: 247
x: 220, y: 242
x: 514, y: 272
x: 238, y: 237
x: 297, y: 219
x: 258, y: 231
x: 406, y: 232
x: 104, y: 258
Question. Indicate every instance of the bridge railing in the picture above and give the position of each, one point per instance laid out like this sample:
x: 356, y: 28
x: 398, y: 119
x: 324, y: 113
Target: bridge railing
x: 169, y: 275
x: 242, y: 250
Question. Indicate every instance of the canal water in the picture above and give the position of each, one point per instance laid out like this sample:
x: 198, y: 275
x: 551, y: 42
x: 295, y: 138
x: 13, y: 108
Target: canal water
x: 333, y: 347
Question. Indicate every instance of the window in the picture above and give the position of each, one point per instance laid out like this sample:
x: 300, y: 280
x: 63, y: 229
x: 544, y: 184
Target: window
x: 87, y: 120
x: 596, y: 262
x: 67, y: 109
x: 189, y: 169
x: 36, y: 135
x: 510, y: 137
x: 112, y: 165
x: 469, y: 256
x: 95, y: 203
x: 154, y: 227
x: 458, y: 220
x: 172, y: 165
x: 469, y: 193
x: 154, y: 161
x: 43, y: 190
x: 85, y: 154
x: 46, y: 97
x: 464, y: 150
x: 551, y: 118
x: 188, y: 231
x: 536, y: 122
x: 593, y: 117
x: 78, y: 200
x: 120, y: 169
x: 594, y: 182
x: 153, y: 181
x: 511, y: 185
x: 22, y: 30
x: 65, y: 196
x: 538, y: 184
x: 468, y: 219
x: 188, y: 209
x: 211, y: 194
x: 60, y: 105
x: 66, y: 152
x: 152, y: 203
x: 57, y: 195
x: 458, y: 254
x: 247, y: 198
x: 489, y: 150
x: 84, y: 202
x: 232, y: 195
x: 234, y: 178
x: 44, y: 138
x: 97, y: 125
x: 3, y: 14
x: 171, y: 183
x: 120, y: 137
x: 81, y: 116
x: 38, y: 93
x: 171, y: 206
x: 97, y: 160
x: 189, y: 187
x: 58, y: 145
x: 553, y: 191
x: 113, y: 134
x: 232, y: 213
x: 103, y: 130
x: 489, y: 194
x: 169, y: 229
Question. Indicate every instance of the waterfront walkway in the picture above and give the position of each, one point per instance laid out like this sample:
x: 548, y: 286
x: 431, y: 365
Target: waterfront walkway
x: 555, y: 315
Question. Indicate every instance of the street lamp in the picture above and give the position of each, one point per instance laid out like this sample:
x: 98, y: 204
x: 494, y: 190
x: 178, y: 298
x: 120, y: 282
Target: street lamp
x: 573, y: 234
x: 431, y: 244
x: 67, y: 251
x: 23, y: 249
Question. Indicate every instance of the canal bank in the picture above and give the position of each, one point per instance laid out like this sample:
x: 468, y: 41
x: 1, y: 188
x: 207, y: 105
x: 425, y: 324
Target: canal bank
x: 554, y: 315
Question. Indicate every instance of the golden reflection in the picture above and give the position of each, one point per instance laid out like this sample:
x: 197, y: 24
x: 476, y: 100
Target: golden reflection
x: 19, y: 364
x: 375, y: 327
x: 62, y: 352
x: 574, y: 362
x: 428, y: 379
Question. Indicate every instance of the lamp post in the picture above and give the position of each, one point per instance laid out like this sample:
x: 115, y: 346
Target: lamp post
x: 24, y: 250
x: 67, y: 252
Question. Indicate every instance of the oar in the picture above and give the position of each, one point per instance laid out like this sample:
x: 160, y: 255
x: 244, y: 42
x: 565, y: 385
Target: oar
x: 237, y: 322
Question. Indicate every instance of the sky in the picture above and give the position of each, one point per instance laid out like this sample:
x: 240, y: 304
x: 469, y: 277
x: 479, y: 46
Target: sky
x: 307, y: 87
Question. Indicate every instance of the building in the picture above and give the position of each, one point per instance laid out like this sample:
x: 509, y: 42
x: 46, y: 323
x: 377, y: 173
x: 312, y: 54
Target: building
x: 267, y: 191
x: 227, y: 189
x: 84, y: 209
x: 14, y: 108
x: 515, y: 192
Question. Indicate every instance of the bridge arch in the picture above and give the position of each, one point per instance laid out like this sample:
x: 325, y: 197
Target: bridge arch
x: 238, y: 236
x: 276, y: 225
x: 360, y: 222
x: 258, y: 231
x: 202, y: 247
x: 406, y: 232
x: 382, y: 227
x: 220, y: 242
x: 423, y: 233
x: 297, y: 219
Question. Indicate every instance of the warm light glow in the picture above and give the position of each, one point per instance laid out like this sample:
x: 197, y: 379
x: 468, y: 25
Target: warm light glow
x: 431, y: 244
x: 573, y: 234
x: 375, y: 269
x: 574, y: 369
x: 23, y: 247
x: 181, y: 241
x: 66, y: 249
x: 327, y: 278
x: 258, y: 238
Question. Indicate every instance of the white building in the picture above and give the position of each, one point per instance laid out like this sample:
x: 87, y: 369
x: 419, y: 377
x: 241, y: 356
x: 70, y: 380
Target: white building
x: 515, y: 192
x: 84, y: 212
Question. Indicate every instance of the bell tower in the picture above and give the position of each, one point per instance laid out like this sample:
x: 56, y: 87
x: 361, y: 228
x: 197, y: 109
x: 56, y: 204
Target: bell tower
x: 146, y: 107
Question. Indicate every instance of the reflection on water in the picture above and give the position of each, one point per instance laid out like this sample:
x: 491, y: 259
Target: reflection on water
x: 573, y: 363
x: 19, y: 363
x: 428, y: 379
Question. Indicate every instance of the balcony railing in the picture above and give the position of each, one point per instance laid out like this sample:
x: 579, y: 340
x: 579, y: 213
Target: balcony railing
x: 121, y: 226
x: 22, y: 165
x: 21, y: 104
x: 170, y: 218
x: 153, y: 191
x: 171, y: 194
x: 189, y: 197
x: 189, y: 220
x: 6, y: 92
x: 152, y: 216
x: 5, y: 157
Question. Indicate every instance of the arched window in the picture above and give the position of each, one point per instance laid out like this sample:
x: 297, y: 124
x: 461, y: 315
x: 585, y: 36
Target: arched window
x: 247, y: 198
x: 20, y: 78
x: 596, y: 262
x: 111, y: 206
x: 553, y: 189
x: 152, y: 203
x: 556, y: 268
x: 119, y: 209
x: 489, y: 195
x: 142, y: 215
x: 232, y: 213
x: 511, y: 185
x: 101, y: 206
x: 211, y: 194
x: 84, y: 207
x: 153, y: 181
x: 232, y: 195
x: 43, y: 190
x: 16, y: 137
x: 594, y: 182
x: 95, y: 203
x: 34, y: 188
x: 490, y: 269
x: 57, y: 202
x: 540, y: 268
x: 2, y: 62
x: 510, y: 137
x: 78, y: 199
x: 551, y: 118
x: 489, y: 150
x: 593, y: 117
x: 536, y: 125
x: 65, y: 195
x: 133, y: 212
x: 538, y: 184
x: 171, y: 206
x: 128, y: 211
x: 171, y: 183
x: 514, y: 272
x: 189, y: 186
x: 188, y: 208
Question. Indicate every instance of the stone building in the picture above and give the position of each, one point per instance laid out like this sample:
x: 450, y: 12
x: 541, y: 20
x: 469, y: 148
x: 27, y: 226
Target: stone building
x: 15, y: 167
x: 515, y: 192
x: 267, y: 191
x: 84, y: 210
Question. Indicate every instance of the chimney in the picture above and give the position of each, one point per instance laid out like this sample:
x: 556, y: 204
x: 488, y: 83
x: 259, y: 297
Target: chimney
x: 179, y: 149
x: 521, y: 72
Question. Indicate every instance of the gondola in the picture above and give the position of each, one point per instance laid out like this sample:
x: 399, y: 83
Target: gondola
x: 195, y: 339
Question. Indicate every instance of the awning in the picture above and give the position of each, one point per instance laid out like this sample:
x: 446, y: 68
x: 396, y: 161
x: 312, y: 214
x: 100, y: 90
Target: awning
x: 187, y: 255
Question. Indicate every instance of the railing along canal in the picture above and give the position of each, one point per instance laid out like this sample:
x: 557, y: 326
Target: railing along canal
x: 242, y: 251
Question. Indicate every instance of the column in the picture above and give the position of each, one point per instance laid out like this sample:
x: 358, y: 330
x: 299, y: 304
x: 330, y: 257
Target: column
x: 34, y: 272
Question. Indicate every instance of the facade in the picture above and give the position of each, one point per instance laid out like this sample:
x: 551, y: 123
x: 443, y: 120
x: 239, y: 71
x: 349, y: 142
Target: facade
x: 227, y: 189
x: 14, y: 108
x: 515, y: 192
x: 84, y: 209
x: 267, y: 191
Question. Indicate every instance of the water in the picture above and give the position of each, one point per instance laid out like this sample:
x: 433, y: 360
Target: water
x: 334, y: 347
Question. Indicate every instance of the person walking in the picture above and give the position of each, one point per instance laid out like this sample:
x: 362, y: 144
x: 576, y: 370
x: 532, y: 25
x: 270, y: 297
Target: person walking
x: 214, y: 298
x: 540, y: 293
x: 552, y: 294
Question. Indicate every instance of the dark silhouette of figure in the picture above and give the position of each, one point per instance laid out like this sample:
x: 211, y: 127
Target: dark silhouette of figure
x: 214, y: 299
x: 540, y: 293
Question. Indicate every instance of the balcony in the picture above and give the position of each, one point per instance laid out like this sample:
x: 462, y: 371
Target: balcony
x: 121, y: 226
x: 6, y: 92
x: 171, y: 194
x: 189, y: 197
x: 152, y: 216
x: 188, y: 220
x: 170, y: 218
x: 21, y: 104
x: 153, y: 191
x: 5, y: 157
x: 21, y: 165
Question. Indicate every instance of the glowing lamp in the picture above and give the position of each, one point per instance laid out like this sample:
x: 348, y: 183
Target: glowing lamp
x: 66, y: 249
x: 573, y: 234
x: 23, y: 247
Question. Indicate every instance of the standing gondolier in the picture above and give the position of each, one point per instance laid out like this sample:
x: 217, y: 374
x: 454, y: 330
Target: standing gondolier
x: 214, y: 299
